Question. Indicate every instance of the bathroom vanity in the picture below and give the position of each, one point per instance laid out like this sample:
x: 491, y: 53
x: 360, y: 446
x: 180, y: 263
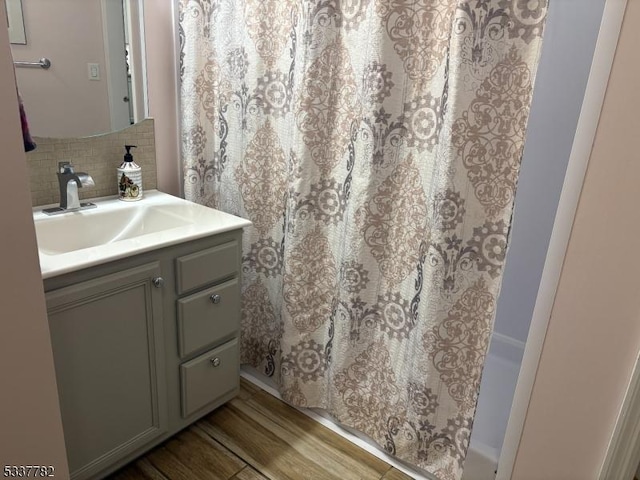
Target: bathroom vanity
x: 144, y: 327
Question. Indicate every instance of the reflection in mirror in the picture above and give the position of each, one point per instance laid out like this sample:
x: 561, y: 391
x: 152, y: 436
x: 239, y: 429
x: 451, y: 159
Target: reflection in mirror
x: 96, y: 83
x: 15, y: 23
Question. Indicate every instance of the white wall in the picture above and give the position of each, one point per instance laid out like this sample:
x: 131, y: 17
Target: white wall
x: 570, y: 36
x: 30, y: 424
x: 62, y: 101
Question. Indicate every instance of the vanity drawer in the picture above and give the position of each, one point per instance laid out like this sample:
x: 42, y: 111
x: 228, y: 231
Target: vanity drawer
x: 205, y: 267
x: 208, y: 316
x: 209, y: 377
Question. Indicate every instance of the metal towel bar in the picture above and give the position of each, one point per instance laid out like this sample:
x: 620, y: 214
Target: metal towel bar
x: 42, y: 63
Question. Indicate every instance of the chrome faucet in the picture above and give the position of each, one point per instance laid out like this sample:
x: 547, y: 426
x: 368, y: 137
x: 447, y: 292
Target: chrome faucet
x: 69, y: 182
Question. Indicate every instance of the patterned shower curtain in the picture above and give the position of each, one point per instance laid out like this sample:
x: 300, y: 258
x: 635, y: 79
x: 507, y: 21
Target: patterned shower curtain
x: 375, y: 145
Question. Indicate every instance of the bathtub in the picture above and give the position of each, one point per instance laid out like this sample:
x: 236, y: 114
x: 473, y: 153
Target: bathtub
x: 498, y: 385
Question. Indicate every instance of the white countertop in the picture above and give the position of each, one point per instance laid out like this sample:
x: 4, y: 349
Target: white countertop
x: 117, y: 229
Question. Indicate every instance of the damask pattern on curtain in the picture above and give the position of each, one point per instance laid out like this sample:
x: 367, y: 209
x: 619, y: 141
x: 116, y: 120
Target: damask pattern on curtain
x: 375, y: 145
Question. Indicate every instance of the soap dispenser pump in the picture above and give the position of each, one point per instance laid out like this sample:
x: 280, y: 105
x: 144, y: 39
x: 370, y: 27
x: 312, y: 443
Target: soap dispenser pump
x: 129, y: 178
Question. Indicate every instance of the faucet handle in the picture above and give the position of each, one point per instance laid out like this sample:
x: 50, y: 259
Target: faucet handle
x: 65, y: 167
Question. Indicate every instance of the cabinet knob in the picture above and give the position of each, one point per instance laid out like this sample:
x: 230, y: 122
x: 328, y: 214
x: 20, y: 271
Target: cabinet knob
x: 158, y: 282
x: 215, y: 298
x: 215, y: 362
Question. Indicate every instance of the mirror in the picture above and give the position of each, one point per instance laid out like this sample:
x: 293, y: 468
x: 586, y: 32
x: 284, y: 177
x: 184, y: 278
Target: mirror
x: 96, y: 80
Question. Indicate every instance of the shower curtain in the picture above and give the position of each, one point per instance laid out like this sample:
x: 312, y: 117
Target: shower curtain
x: 375, y: 145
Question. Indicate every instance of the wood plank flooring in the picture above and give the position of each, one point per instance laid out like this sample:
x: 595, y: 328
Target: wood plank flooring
x: 257, y: 437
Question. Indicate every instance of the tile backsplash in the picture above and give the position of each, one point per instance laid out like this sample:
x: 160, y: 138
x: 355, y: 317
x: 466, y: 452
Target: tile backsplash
x: 99, y: 156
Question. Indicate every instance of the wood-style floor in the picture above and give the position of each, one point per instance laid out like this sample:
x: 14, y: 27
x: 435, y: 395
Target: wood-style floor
x: 257, y: 437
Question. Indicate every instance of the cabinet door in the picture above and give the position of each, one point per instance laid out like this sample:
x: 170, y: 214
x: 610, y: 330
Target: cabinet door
x: 108, y: 350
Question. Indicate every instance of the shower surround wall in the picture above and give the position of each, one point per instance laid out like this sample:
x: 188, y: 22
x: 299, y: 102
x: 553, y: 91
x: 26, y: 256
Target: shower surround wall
x: 99, y: 156
x: 567, y: 53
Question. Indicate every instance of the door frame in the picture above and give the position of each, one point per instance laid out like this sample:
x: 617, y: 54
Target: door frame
x: 623, y: 452
x: 603, y: 56
x: 113, y: 71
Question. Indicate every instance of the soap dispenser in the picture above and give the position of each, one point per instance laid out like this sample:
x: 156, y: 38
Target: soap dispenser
x: 129, y: 178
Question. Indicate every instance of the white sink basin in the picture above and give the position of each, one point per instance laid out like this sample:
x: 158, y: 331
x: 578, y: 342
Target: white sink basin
x: 116, y: 229
x: 77, y: 231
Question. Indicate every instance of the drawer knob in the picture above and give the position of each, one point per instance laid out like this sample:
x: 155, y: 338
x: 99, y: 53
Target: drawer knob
x: 158, y: 282
x: 215, y: 362
x: 215, y: 298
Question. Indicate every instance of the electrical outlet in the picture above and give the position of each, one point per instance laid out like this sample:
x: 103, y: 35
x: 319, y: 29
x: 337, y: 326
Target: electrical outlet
x: 94, y: 71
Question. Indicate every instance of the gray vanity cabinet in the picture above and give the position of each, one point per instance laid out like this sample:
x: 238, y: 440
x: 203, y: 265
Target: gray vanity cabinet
x: 143, y: 347
x: 107, y: 335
